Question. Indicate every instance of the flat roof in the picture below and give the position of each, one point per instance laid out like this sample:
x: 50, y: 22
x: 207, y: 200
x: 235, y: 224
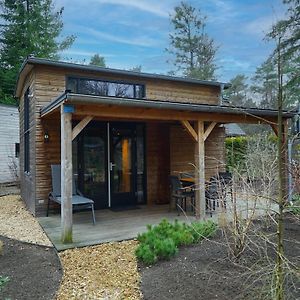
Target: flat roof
x: 31, y: 61
x: 148, y: 103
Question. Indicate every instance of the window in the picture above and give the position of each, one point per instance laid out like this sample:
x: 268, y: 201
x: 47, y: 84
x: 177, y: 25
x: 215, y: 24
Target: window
x: 26, y: 132
x: 17, y: 150
x: 105, y: 88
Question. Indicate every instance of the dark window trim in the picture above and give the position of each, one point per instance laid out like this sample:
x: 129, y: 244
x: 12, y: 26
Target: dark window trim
x: 26, y: 132
x: 133, y: 83
x: 17, y: 150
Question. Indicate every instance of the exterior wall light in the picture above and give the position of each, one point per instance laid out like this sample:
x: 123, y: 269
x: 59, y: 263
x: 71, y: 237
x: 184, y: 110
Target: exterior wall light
x: 46, y: 137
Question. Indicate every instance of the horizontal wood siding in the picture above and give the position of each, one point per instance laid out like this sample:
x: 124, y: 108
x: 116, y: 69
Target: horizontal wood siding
x: 182, y: 149
x: 27, y: 180
x: 9, y: 136
x: 49, y: 83
x: 158, y: 163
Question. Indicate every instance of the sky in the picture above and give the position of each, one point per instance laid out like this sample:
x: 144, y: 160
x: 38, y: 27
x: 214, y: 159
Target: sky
x: 129, y: 33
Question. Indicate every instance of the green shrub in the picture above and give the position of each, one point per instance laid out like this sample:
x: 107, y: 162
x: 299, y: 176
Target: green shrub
x: 162, y: 241
x: 295, y: 208
x: 3, y: 281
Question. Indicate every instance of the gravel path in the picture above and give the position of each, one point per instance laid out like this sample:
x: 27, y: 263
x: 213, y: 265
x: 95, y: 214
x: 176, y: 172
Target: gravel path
x: 107, y: 271
x: 17, y: 223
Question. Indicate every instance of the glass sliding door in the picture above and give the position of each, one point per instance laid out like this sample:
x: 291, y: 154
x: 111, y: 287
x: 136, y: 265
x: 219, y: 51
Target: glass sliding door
x: 92, y: 164
x: 109, y: 163
x: 122, y: 165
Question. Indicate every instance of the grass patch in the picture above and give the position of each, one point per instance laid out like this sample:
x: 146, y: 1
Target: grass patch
x: 162, y: 241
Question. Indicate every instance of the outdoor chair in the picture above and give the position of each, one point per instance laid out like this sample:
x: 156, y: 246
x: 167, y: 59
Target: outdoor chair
x: 179, y: 194
x: 78, y: 200
x: 214, y: 193
x: 226, y: 180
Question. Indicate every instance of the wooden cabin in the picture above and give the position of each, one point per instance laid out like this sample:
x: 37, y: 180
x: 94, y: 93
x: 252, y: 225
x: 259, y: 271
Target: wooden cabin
x: 119, y: 133
x: 9, y: 143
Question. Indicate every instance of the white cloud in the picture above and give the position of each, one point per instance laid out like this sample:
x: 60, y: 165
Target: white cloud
x: 136, y: 41
x: 155, y: 7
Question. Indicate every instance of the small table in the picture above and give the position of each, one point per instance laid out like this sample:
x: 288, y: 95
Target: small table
x: 188, y: 180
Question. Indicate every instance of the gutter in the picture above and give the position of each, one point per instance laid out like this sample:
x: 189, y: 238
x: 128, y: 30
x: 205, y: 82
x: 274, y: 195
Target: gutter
x: 156, y: 104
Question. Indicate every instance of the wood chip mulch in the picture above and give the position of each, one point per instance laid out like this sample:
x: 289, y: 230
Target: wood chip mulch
x: 107, y: 271
x: 18, y: 223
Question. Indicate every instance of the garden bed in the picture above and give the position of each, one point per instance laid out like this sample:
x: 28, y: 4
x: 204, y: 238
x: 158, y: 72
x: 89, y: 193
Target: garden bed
x: 33, y: 271
x: 203, y: 271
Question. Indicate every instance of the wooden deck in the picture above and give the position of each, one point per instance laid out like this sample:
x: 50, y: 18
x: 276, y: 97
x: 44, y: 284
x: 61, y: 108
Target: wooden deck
x: 124, y: 225
x: 110, y: 225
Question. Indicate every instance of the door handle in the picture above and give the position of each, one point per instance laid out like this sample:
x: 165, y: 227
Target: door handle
x: 112, y: 165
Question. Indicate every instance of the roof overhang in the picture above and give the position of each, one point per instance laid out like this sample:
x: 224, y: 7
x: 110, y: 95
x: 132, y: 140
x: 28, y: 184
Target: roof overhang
x: 32, y: 61
x: 260, y: 115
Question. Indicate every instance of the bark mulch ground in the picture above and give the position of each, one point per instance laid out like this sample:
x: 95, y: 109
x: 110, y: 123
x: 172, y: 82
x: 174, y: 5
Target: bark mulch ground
x: 204, y: 271
x: 34, y: 271
x: 18, y: 223
x: 107, y: 271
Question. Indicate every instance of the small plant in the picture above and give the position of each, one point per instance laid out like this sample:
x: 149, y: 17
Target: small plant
x: 295, y: 207
x: 3, y: 281
x: 162, y: 241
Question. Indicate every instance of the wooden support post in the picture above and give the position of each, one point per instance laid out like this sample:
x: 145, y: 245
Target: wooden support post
x: 66, y: 176
x: 80, y: 126
x: 190, y: 130
x: 200, y: 172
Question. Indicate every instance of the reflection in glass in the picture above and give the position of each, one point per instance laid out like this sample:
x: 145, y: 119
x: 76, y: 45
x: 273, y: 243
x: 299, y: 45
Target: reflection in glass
x: 122, y: 164
x: 94, y: 166
x: 105, y: 88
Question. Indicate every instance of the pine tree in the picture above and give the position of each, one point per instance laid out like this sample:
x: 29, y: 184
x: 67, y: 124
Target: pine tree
x: 264, y: 84
x: 28, y: 27
x: 237, y: 93
x: 98, y: 60
x: 289, y: 31
x: 193, y: 49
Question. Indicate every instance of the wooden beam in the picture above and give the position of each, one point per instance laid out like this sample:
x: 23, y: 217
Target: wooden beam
x: 66, y: 176
x: 136, y: 113
x: 190, y: 130
x: 209, y: 129
x: 80, y: 126
x: 200, y: 172
x: 275, y: 129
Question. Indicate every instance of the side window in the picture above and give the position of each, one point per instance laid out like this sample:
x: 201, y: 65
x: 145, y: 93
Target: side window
x: 26, y: 132
x: 17, y: 150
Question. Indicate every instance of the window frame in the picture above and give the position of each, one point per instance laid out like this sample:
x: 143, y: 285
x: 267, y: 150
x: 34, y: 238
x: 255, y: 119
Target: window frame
x: 131, y: 83
x: 26, y: 132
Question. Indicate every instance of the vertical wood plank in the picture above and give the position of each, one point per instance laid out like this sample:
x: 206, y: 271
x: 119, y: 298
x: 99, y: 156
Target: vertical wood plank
x: 200, y: 172
x: 66, y: 176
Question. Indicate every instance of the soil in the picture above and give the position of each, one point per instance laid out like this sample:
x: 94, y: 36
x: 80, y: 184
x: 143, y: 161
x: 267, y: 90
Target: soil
x: 204, y: 271
x: 34, y: 271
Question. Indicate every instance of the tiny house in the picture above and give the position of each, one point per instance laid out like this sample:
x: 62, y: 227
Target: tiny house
x: 120, y: 134
x: 9, y: 143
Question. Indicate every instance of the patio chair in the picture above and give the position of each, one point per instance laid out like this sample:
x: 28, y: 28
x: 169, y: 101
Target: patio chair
x: 180, y: 194
x: 226, y: 180
x: 214, y: 192
x: 78, y: 200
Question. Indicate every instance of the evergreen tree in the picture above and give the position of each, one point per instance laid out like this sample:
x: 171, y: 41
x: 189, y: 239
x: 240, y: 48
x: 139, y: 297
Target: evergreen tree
x: 264, y: 84
x: 193, y: 49
x: 28, y: 27
x: 98, y: 60
x: 288, y: 29
x: 137, y: 68
x: 238, y: 92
